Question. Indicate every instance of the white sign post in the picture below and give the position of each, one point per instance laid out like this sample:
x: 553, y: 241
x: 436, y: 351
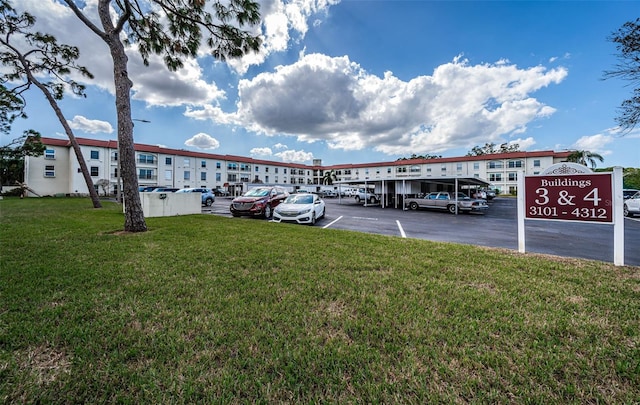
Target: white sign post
x: 571, y: 192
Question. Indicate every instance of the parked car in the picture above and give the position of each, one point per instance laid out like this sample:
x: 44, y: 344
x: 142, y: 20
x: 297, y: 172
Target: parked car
x: 632, y: 205
x: 329, y: 193
x: 207, y: 195
x: 367, y: 195
x: 300, y: 208
x: 491, y: 194
x: 219, y: 191
x: 259, y: 201
x: 447, y: 201
x: 144, y: 189
x: 629, y: 192
x: 164, y: 190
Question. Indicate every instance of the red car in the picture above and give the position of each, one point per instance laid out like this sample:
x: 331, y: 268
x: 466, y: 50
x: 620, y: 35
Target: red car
x: 259, y: 201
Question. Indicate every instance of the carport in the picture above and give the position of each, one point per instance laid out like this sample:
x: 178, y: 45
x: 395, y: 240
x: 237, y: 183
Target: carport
x: 393, y: 191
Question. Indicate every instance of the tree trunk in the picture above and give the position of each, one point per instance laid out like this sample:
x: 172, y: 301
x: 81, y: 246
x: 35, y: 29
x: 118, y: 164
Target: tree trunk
x: 134, y: 216
x: 95, y: 199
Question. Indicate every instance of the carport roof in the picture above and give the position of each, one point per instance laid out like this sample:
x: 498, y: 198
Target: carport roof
x: 472, y: 181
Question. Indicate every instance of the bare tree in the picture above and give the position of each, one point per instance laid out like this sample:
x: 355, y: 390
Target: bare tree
x: 627, y: 40
x: 141, y: 21
x: 45, y: 57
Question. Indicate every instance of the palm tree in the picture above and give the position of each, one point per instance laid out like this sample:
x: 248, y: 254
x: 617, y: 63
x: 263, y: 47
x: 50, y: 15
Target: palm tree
x: 329, y: 177
x: 583, y: 157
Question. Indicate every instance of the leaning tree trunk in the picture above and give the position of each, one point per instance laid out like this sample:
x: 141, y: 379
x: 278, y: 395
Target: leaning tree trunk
x: 95, y: 199
x: 134, y: 216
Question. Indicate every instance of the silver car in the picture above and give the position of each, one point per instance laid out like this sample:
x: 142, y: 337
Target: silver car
x: 300, y: 208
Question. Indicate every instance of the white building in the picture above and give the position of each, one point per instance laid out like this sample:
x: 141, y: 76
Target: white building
x: 58, y: 171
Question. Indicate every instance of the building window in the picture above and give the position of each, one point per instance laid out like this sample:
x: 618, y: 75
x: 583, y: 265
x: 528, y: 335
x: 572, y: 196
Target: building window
x: 49, y: 154
x: 401, y: 169
x: 146, y: 159
x: 49, y: 171
x: 168, y: 175
x: 94, y: 171
x: 495, y: 176
x: 459, y: 167
x: 95, y: 154
x: 495, y: 165
x: 276, y: 173
x: 203, y: 163
x: 245, y: 167
x: 187, y: 175
x: 266, y: 170
x: 428, y: 170
x: 218, y: 166
x: 145, y: 174
x: 536, y: 163
x: 186, y: 162
x: 515, y: 163
x: 203, y: 176
x: 218, y: 177
x: 443, y: 168
x: 167, y: 161
x: 512, y: 176
x: 232, y: 178
x: 285, y: 171
x: 476, y: 166
x: 232, y: 166
x: 276, y: 179
x: 266, y: 179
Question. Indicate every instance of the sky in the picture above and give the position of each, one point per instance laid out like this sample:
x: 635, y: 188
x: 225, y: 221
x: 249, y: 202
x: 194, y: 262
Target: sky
x: 367, y: 81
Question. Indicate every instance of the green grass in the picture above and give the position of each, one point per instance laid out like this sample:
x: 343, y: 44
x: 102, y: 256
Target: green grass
x: 216, y: 310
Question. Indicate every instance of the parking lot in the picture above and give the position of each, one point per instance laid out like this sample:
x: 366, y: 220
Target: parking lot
x: 496, y: 228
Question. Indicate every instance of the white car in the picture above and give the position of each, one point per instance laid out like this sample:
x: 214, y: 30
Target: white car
x: 300, y: 208
x: 632, y: 205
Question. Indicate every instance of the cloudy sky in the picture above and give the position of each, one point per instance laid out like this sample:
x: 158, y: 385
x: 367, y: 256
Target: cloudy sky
x: 364, y: 81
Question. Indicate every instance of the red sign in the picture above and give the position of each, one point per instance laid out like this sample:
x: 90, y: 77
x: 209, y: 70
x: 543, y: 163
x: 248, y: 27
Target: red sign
x: 577, y: 197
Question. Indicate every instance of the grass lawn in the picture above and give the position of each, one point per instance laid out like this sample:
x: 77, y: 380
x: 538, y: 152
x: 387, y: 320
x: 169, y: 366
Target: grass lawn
x: 218, y: 310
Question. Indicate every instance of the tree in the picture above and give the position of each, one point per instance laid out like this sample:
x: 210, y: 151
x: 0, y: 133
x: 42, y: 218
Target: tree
x: 141, y: 22
x: 329, y: 177
x: 42, y: 56
x: 103, y: 184
x: 490, y: 149
x: 583, y: 157
x: 12, y: 157
x: 627, y: 40
x: 414, y: 156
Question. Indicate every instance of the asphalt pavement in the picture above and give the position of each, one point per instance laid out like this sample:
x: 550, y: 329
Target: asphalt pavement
x: 496, y: 228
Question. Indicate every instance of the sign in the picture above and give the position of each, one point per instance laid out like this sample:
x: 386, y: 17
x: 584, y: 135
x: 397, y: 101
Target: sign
x: 579, y: 197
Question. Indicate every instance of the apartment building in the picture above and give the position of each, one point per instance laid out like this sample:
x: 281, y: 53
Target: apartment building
x: 58, y: 171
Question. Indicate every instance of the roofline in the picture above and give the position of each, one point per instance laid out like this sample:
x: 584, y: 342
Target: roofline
x: 113, y: 144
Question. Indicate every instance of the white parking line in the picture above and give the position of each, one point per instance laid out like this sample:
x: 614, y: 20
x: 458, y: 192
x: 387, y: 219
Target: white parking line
x: 365, y: 218
x: 332, y: 222
x: 404, y: 235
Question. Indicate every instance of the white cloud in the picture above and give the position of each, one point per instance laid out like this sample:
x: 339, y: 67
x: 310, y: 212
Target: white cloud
x: 298, y: 156
x: 91, y: 126
x: 155, y: 84
x: 320, y: 98
x: 525, y: 144
x: 594, y: 143
x: 203, y: 141
x: 261, y: 152
x: 280, y: 146
x: 282, y: 20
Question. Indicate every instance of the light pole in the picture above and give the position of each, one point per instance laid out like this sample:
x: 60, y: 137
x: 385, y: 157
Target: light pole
x: 118, y: 165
